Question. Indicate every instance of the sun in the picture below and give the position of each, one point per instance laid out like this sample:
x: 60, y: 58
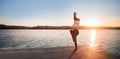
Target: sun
x: 93, y: 22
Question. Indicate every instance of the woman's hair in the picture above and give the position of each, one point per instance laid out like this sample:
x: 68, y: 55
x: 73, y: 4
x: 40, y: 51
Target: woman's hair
x: 75, y: 18
x: 75, y: 13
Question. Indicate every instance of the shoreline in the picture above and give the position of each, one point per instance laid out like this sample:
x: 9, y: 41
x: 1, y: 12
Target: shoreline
x: 83, y: 52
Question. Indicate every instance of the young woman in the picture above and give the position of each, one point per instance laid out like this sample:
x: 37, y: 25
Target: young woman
x: 74, y: 31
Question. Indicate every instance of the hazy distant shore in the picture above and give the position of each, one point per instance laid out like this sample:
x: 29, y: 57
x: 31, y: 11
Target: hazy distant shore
x: 83, y: 52
x: 2, y: 26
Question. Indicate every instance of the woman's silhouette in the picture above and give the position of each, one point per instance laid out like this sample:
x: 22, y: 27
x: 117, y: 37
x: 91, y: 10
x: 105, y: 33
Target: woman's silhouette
x: 74, y: 31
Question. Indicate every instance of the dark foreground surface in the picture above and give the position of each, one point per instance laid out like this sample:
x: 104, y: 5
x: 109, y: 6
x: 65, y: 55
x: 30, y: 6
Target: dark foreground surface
x: 83, y: 52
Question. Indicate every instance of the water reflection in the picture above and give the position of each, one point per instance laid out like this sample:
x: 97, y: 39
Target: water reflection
x: 93, y: 38
x: 107, y: 40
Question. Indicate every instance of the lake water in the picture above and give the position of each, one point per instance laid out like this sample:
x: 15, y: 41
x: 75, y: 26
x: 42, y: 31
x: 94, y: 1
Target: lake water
x: 107, y: 40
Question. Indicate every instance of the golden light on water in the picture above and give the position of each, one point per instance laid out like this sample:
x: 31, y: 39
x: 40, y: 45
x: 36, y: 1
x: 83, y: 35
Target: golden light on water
x: 93, y: 37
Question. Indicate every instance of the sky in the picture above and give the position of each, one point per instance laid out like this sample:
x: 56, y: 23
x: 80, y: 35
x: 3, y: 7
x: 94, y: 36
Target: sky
x: 59, y: 12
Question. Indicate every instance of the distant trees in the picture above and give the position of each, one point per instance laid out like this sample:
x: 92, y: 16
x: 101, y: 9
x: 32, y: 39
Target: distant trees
x: 2, y: 26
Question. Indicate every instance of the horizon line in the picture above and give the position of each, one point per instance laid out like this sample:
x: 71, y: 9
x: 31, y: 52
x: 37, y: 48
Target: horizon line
x: 57, y: 25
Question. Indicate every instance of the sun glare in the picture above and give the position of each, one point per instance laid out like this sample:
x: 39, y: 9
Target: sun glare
x: 92, y: 40
x: 93, y: 22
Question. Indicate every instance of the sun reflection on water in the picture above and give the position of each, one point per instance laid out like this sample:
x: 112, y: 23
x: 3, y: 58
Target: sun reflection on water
x: 93, y: 37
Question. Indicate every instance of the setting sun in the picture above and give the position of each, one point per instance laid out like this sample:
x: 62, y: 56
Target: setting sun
x: 93, y: 22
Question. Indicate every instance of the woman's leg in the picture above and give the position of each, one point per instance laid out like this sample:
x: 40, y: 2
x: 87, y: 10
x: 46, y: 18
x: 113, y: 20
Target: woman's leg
x: 74, y: 38
x: 72, y: 34
x: 76, y: 34
x: 75, y: 42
